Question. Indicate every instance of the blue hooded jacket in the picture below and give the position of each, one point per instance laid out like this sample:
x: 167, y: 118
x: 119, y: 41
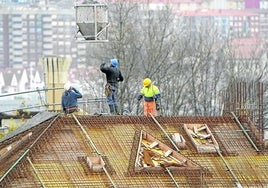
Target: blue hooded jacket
x: 69, y: 98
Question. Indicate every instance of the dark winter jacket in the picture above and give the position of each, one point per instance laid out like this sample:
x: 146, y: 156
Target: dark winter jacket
x: 113, y: 74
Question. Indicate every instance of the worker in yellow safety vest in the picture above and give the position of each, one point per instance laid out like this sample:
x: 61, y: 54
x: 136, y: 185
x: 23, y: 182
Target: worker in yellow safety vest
x: 150, y: 94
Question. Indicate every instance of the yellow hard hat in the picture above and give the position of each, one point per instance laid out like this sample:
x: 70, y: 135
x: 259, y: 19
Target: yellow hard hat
x: 146, y: 82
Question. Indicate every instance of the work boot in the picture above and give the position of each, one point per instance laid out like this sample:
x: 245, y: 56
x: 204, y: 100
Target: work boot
x: 116, y: 110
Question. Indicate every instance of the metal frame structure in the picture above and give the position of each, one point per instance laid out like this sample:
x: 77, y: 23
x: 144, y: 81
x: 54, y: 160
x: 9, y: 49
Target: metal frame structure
x: 92, y: 22
x: 246, y: 100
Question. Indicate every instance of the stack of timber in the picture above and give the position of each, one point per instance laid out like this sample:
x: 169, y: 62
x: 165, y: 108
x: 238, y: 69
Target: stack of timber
x: 201, y: 137
x: 153, y: 156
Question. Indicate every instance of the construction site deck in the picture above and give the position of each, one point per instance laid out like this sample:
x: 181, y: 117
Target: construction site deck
x: 55, y: 150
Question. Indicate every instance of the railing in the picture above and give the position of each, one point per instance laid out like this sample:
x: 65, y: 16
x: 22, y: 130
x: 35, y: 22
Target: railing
x: 88, y: 105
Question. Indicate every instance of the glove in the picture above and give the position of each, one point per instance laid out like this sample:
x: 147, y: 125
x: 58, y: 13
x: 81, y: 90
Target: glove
x: 139, y: 97
x: 157, y: 106
x: 102, y: 65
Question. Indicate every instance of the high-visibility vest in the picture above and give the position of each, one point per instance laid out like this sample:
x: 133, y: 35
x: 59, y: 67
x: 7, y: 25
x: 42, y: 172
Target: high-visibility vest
x: 150, y: 91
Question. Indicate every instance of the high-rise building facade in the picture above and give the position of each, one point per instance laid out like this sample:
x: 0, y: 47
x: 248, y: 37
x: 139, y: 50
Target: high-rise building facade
x: 30, y: 30
x: 27, y: 34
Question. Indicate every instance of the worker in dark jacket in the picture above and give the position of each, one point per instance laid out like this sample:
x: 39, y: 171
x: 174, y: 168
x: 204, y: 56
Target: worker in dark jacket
x: 69, y: 99
x: 113, y: 76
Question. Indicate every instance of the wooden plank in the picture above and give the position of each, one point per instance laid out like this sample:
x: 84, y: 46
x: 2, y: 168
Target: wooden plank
x: 201, y: 137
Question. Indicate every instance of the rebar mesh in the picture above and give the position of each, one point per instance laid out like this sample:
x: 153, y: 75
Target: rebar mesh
x: 57, y: 158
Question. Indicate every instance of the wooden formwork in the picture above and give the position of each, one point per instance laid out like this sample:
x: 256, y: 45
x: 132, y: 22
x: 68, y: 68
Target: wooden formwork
x: 201, y: 137
x: 56, y: 69
x: 153, y: 156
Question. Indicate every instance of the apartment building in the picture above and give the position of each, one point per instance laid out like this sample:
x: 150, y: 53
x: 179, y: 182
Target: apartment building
x: 29, y: 33
x: 230, y: 23
x: 30, y: 30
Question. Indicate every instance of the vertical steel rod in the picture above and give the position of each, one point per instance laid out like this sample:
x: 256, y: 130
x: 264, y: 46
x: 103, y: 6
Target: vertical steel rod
x: 26, y: 151
x: 238, y: 184
x: 95, y: 148
x: 172, y: 177
x: 244, y: 131
x: 165, y: 133
x: 35, y: 171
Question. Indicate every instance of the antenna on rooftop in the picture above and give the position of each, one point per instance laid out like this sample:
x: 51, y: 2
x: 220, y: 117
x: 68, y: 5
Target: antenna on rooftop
x: 91, y: 21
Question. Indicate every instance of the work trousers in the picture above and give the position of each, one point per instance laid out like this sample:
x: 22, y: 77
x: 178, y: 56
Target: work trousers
x: 149, y: 107
x: 112, y: 97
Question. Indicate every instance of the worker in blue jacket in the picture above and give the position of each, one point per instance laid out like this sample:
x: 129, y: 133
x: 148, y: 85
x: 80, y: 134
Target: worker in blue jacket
x: 69, y: 99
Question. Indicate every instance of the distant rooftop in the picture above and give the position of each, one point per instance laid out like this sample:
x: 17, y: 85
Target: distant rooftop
x: 217, y: 13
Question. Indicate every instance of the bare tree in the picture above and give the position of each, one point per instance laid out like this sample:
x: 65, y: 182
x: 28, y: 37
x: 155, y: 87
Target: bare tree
x: 142, y: 42
x: 190, y: 62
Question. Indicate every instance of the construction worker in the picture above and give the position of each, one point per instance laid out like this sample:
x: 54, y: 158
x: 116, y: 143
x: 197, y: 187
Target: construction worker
x: 113, y: 76
x: 69, y: 99
x: 150, y: 94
